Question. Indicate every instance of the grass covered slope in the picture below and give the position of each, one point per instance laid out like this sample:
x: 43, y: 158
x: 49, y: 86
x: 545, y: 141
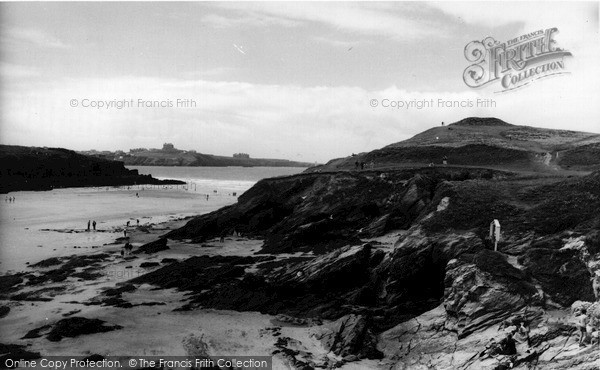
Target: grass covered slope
x: 488, y: 142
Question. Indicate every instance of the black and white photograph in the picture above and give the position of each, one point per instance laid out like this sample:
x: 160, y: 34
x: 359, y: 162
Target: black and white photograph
x: 397, y: 185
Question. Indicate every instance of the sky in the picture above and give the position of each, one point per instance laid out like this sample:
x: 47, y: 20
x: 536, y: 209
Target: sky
x: 307, y: 81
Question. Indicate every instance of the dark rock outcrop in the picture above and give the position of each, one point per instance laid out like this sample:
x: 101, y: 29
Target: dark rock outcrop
x: 152, y: 247
x: 322, y: 212
x: 149, y: 264
x: 349, y: 336
x: 561, y: 273
x: 33, y: 168
x: 4, y: 311
x: 71, y: 327
x: 482, y: 289
x: 16, y: 352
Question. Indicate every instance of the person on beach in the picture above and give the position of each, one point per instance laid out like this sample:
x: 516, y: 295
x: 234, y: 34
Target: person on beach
x: 94, y: 225
x: 127, y: 223
x: 137, y: 195
x: 137, y: 222
x: 508, y: 345
x: 88, y: 228
x: 522, y: 335
x: 582, y: 321
x: 124, y: 233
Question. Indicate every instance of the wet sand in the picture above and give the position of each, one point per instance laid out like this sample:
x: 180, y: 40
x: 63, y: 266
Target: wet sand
x: 40, y: 225
x: 151, y: 326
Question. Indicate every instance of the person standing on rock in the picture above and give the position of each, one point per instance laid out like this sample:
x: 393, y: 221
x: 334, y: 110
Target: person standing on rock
x: 523, y: 334
x: 582, y: 326
x: 508, y: 345
x: 88, y: 228
x: 94, y: 225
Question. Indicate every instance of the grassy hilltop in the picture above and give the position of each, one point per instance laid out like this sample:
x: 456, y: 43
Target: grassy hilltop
x: 488, y: 142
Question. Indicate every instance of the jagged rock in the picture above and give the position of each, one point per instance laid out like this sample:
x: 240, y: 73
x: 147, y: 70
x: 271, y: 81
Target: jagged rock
x: 483, y: 289
x: 324, y: 286
x: 415, y: 273
x: 561, y: 273
x: 350, y: 337
x: 320, y: 212
x: 153, y: 247
x: 423, y: 338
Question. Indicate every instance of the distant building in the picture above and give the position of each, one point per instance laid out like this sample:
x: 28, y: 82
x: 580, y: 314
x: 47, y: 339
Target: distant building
x: 241, y: 155
x: 170, y: 148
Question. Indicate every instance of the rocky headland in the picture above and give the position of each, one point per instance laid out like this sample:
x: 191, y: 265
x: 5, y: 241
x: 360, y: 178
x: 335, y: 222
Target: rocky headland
x: 33, y: 168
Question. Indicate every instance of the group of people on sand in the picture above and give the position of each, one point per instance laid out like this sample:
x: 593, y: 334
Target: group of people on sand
x: 9, y: 199
x: 126, y: 250
x: 127, y: 224
x: 93, y: 223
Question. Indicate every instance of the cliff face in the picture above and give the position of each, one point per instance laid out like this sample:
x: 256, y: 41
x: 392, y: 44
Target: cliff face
x: 31, y: 168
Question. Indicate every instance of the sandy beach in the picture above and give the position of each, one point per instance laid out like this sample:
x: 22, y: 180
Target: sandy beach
x: 39, y: 225
x: 152, y: 325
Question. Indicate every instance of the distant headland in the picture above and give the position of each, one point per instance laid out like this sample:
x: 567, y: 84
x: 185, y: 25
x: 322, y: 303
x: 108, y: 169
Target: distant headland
x: 34, y: 168
x: 171, y: 156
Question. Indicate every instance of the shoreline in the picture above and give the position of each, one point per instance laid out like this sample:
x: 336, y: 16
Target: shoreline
x: 150, y: 323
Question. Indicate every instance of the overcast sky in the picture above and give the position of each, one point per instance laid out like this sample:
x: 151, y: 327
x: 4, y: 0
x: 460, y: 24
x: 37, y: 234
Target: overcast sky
x: 280, y: 80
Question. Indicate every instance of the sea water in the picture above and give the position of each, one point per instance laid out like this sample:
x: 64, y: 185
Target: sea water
x: 44, y: 224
